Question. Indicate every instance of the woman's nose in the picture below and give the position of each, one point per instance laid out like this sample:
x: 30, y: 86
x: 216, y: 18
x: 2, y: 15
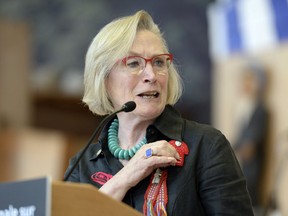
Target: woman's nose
x: 149, y: 73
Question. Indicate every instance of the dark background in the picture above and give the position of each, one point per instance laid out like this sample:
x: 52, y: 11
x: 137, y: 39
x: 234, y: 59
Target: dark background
x: 63, y: 29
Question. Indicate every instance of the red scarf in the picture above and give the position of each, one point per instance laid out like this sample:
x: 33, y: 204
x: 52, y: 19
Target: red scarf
x: 156, y: 196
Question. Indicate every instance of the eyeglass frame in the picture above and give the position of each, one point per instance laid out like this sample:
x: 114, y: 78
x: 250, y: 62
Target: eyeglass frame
x: 124, y: 60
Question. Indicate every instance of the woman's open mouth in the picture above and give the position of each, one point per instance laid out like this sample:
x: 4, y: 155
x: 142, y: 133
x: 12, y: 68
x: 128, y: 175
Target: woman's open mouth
x: 149, y: 95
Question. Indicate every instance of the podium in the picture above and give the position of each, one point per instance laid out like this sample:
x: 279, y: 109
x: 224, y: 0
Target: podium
x: 42, y: 197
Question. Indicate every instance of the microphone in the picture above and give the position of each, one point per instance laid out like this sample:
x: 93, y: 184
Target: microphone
x: 127, y: 107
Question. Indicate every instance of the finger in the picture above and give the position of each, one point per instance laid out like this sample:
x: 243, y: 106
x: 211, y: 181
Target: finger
x: 166, y: 150
x: 161, y: 161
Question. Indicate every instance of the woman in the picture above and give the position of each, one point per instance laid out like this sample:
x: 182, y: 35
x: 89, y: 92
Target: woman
x: 167, y: 165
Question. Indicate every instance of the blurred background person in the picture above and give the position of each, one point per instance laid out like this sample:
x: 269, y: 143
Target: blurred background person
x: 251, y: 125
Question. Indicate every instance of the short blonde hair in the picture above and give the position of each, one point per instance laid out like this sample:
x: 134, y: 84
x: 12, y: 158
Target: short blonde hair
x: 112, y: 43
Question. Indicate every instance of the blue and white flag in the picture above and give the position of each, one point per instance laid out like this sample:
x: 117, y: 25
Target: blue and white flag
x: 246, y: 26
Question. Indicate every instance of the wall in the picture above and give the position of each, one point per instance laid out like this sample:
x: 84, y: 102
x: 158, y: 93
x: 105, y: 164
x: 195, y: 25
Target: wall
x: 15, y: 66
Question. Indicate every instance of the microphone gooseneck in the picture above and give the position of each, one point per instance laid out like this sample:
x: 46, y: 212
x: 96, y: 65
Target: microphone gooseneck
x: 127, y: 107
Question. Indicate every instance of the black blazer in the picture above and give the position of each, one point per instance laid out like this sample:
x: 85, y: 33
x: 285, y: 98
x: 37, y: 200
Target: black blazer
x: 210, y: 182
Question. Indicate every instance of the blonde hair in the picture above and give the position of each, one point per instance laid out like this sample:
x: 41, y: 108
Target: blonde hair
x: 112, y: 43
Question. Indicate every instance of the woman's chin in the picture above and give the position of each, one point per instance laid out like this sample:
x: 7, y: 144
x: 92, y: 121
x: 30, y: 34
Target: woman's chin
x: 150, y: 111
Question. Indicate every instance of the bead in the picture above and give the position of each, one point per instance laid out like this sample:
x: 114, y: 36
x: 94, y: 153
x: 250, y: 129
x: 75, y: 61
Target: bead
x: 126, y: 155
x: 113, y: 139
x: 131, y: 153
x: 134, y: 150
x: 113, y: 148
x: 121, y: 154
x: 116, y: 153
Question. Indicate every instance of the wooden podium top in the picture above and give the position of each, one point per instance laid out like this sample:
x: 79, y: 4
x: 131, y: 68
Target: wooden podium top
x: 84, y: 199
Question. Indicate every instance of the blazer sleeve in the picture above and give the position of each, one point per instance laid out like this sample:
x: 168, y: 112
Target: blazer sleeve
x: 222, y: 186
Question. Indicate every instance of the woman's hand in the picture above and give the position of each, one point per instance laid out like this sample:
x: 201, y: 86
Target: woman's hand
x: 139, y: 167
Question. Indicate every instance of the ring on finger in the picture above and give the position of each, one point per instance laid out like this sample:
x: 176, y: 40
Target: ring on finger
x: 148, y: 153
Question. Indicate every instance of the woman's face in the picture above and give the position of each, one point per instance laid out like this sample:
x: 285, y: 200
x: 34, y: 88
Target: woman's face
x: 147, y: 88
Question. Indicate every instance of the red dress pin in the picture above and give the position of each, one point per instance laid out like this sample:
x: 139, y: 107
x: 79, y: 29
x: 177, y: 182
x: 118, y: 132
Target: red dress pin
x: 182, y: 149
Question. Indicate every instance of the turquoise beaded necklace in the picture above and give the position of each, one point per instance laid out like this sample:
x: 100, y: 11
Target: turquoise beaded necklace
x: 113, y: 143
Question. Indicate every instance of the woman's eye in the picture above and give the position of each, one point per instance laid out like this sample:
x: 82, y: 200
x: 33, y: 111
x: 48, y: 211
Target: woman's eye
x: 133, y: 63
x: 159, y: 62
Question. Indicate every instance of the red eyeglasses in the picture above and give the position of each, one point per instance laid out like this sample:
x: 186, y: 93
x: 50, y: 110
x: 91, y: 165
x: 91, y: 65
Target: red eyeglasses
x: 137, y: 64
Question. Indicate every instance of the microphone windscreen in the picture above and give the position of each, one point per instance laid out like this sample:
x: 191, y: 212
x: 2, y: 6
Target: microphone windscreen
x: 129, y: 106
